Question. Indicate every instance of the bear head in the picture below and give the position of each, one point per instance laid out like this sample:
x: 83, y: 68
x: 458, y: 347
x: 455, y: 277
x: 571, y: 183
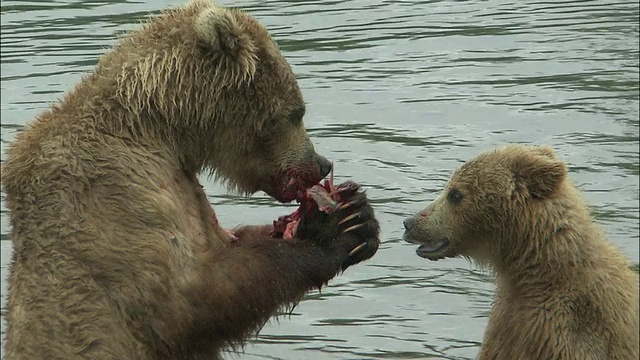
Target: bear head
x: 210, y: 83
x: 493, y: 206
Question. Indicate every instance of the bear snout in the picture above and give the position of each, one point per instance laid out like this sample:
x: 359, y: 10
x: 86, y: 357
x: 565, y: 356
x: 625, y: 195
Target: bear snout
x: 409, y: 236
x: 409, y: 223
x: 324, y: 165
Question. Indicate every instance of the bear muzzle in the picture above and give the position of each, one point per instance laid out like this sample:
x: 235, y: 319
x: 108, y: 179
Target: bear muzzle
x: 324, y: 165
x: 408, y: 224
x: 292, y: 183
x: 431, y: 247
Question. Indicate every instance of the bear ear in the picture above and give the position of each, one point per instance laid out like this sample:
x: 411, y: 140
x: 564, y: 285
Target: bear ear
x: 221, y: 30
x: 544, y: 150
x: 538, y: 172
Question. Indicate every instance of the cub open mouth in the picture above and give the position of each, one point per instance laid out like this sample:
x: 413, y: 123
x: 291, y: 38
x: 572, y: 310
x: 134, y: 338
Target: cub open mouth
x: 433, y: 251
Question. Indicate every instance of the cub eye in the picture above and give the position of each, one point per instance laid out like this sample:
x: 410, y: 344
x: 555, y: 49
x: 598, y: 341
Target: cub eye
x: 454, y: 196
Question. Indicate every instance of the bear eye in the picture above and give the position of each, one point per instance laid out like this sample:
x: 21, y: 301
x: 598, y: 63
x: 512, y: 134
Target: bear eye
x: 454, y: 196
x: 296, y: 115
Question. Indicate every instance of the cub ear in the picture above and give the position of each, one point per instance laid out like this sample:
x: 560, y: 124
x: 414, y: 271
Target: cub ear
x: 538, y: 172
x: 224, y: 32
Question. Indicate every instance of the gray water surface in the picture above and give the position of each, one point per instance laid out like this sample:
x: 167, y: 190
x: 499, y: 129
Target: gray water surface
x: 399, y: 93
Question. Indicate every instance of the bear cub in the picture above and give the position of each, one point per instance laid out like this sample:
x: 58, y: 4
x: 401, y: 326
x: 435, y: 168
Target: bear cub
x: 563, y: 290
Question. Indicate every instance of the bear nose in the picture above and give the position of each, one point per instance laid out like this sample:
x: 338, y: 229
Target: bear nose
x: 324, y: 165
x: 408, y: 223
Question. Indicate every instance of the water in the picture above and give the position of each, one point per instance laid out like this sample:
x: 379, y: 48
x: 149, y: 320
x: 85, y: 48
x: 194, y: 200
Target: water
x: 399, y: 93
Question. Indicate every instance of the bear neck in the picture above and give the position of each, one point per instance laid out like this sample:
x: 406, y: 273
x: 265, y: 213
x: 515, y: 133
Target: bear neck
x: 151, y: 130
x: 550, y: 251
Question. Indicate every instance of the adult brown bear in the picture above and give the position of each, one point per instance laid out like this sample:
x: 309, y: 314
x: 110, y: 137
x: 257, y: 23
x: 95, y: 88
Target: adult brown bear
x: 117, y: 252
x: 563, y: 290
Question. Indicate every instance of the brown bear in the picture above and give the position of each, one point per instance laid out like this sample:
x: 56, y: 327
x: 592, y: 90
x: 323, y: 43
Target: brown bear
x: 563, y: 290
x: 117, y: 252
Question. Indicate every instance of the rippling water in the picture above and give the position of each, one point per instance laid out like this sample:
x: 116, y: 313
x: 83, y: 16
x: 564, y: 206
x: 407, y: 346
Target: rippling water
x: 399, y: 93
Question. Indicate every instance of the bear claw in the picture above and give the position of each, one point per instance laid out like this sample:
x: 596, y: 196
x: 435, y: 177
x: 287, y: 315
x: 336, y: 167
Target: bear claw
x: 357, y: 249
x: 345, y: 205
x: 351, y: 228
x: 350, y: 217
